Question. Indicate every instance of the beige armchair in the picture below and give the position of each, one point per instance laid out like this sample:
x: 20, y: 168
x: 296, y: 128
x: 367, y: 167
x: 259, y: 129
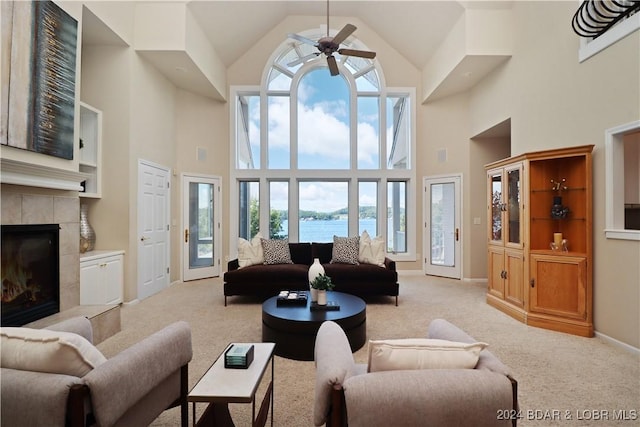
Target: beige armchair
x: 130, y: 389
x: 346, y: 394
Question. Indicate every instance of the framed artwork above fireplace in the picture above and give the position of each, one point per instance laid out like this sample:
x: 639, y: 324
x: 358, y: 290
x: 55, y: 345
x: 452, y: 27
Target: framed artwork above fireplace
x: 38, y: 83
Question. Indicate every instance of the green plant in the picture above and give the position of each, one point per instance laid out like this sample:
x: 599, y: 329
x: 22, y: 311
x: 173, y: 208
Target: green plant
x: 322, y: 282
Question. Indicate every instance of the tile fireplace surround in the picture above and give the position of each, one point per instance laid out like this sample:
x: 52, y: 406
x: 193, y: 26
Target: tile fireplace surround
x: 27, y: 205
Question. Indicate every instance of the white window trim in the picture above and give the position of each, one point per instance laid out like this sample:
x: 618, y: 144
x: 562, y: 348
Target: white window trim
x: 614, y: 179
x: 590, y: 47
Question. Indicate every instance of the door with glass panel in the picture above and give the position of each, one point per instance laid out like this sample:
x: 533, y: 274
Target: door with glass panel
x: 442, y: 237
x: 200, y: 227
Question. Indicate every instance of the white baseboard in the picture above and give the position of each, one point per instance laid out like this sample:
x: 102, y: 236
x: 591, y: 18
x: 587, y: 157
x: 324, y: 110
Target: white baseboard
x: 132, y: 302
x: 631, y: 349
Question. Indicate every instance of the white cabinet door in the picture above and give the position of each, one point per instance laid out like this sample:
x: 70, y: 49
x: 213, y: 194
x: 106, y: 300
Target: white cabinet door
x: 101, y: 278
x: 90, y: 289
x: 112, y: 274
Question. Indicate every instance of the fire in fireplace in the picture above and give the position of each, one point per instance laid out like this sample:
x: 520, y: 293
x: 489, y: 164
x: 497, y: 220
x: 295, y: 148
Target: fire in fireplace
x: 30, y: 273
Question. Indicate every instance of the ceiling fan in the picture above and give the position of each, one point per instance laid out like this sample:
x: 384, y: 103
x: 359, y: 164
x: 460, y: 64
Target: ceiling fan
x: 330, y: 45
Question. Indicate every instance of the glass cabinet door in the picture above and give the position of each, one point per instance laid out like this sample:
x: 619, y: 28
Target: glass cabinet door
x: 497, y: 205
x: 513, y: 205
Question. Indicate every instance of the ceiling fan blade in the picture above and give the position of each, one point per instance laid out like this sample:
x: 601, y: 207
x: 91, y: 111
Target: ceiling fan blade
x: 358, y: 53
x: 302, y: 39
x: 345, y: 32
x: 302, y: 59
x: 333, y: 65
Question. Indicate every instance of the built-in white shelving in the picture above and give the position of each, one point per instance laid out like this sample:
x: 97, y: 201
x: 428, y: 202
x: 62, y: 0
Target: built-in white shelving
x: 90, y: 162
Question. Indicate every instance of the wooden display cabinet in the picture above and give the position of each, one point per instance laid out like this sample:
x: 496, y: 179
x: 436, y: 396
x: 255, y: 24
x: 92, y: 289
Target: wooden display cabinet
x: 505, y: 251
x: 529, y: 278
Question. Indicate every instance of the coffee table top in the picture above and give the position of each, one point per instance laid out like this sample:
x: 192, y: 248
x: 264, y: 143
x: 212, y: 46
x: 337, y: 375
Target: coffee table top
x: 220, y: 384
x: 350, y: 305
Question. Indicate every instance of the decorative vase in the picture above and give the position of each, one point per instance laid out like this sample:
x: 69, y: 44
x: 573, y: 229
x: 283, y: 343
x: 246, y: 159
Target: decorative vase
x: 557, y: 210
x: 87, y: 234
x: 315, y: 270
x: 322, y: 297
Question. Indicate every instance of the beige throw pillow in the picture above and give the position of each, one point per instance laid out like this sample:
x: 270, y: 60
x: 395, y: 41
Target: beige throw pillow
x: 371, y: 250
x: 422, y: 353
x: 44, y: 350
x: 250, y: 252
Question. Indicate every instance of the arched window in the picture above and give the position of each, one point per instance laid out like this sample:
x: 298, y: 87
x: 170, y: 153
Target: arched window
x: 317, y: 155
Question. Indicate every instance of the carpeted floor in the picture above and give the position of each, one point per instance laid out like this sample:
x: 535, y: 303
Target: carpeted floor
x: 562, y: 379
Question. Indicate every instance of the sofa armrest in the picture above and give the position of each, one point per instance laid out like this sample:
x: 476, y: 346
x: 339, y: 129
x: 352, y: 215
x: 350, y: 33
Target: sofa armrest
x: 34, y: 398
x: 78, y: 325
x: 234, y: 264
x: 434, y: 397
x: 123, y: 380
x: 334, y: 363
x: 390, y: 264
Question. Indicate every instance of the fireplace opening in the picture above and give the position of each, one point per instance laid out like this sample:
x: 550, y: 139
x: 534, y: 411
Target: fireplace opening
x: 30, y: 273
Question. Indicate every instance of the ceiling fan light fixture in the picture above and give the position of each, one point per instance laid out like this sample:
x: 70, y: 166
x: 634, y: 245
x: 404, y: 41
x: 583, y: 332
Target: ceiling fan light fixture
x: 329, y: 45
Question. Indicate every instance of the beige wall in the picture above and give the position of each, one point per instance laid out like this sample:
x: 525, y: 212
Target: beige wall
x: 200, y: 123
x: 555, y: 101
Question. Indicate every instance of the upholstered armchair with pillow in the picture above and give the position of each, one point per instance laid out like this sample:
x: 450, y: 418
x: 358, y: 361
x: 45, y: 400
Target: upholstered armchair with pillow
x: 56, y: 377
x: 446, y: 380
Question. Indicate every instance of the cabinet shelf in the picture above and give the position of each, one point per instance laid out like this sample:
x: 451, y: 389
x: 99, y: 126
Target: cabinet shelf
x: 90, y: 150
x: 551, y: 190
x: 557, y: 219
x: 549, y: 252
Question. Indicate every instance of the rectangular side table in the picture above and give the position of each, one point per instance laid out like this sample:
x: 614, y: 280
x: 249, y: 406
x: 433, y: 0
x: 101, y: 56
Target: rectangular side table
x: 220, y: 386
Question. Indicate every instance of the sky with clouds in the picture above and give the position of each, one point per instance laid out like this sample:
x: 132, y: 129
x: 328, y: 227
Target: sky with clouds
x: 323, y: 138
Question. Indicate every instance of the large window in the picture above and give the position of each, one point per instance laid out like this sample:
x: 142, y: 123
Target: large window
x: 319, y: 155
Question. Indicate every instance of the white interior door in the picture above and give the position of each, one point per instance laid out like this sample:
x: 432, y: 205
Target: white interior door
x: 442, y: 236
x: 153, y: 228
x: 200, y: 227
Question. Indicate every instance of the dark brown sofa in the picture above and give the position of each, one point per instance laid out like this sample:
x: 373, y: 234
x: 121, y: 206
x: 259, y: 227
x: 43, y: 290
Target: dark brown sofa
x: 267, y: 280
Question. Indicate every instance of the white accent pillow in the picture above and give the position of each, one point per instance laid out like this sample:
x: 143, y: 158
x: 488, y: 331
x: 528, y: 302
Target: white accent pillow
x: 422, y: 353
x: 371, y: 250
x: 43, y: 350
x: 250, y: 253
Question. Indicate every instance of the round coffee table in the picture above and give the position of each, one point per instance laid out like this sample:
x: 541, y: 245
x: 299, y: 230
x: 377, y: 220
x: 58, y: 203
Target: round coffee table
x: 293, y: 328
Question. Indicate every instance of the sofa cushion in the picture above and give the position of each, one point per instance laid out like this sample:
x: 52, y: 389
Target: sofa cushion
x: 362, y: 273
x: 300, y: 253
x: 371, y: 250
x: 250, y: 252
x: 422, y: 353
x: 322, y: 251
x: 345, y: 250
x: 276, y: 251
x: 43, y: 350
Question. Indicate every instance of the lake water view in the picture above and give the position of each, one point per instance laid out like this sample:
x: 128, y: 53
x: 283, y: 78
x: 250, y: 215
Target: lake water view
x: 324, y: 230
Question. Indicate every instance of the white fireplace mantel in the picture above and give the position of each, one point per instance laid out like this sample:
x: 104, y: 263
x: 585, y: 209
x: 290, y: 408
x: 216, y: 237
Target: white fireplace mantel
x: 22, y: 173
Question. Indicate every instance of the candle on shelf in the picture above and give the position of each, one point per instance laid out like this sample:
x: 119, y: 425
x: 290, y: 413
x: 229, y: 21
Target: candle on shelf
x: 557, y: 239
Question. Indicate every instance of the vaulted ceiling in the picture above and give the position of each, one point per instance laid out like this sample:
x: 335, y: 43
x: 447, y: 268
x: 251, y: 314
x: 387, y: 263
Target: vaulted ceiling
x: 415, y: 29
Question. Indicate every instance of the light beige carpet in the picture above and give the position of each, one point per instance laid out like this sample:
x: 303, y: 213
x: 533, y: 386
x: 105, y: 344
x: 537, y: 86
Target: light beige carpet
x: 563, y: 379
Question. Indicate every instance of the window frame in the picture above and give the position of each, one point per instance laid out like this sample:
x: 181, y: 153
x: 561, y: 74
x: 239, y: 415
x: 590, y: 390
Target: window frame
x: 590, y: 46
x: 614, y: 179
x: 382, y: 175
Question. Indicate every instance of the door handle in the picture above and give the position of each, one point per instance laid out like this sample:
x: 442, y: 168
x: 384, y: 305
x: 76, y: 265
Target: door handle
x: 457, y: 234
x: 186, y: 235
x: 143, y: 238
